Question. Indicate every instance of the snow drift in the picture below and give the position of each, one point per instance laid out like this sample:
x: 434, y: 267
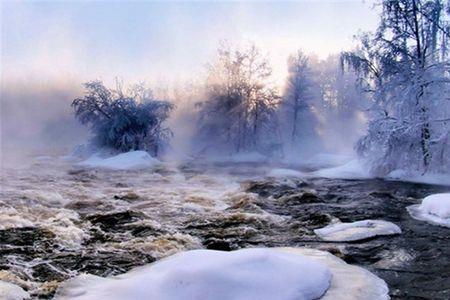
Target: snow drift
x: 360, y: 230
x: 123, y: 161
x: 9, y: 291
x: 282, y: 274
x: 434, y: 209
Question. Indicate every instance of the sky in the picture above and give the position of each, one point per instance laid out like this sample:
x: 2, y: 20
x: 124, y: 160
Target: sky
x: 76, y: 41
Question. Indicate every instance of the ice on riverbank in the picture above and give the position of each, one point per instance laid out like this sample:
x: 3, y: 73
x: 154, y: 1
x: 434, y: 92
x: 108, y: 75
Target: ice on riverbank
x: 123, y: 161
x: 434, y: 209
x: 278, y: 273
x: 9, y: 291
x: 428, y: 178
x: 360, y: 230
x: 353, y: 169
x: 325, y: 160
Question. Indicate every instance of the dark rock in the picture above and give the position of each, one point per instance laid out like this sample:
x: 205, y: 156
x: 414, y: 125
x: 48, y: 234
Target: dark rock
x: 115, y: 221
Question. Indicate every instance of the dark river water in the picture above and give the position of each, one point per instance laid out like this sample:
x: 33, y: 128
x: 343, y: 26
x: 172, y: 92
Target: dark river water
x: 58, y: 220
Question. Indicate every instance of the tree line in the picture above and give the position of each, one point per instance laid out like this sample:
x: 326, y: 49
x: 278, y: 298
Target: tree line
x: 397, y: 78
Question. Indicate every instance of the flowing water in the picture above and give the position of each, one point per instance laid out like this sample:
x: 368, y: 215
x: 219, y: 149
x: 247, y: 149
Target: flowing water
x: 57, y: 220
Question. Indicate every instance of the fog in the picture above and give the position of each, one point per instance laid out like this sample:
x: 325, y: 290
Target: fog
x: 38, y: 120
x: 50, y: 49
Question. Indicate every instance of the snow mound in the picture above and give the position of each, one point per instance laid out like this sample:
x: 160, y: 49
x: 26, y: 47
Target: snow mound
x: 123, y: 161
x: 262, y: 274
x: 352, y: 170
x: 283, y: 173
x: 434, y: 209
x: 9, y: 291
x: 276, y: 273
x: 360, y: 230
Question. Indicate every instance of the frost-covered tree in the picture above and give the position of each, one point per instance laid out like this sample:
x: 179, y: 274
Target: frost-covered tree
x: 405, y: 67
x: 124, y: 120
x: 239, y: 113
x: 297, y: 106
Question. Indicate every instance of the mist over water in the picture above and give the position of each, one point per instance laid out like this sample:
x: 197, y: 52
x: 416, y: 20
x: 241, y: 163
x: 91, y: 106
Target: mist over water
x: 38, y: 120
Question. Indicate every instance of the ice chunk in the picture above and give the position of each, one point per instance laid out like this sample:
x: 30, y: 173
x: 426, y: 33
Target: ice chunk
x: 434, y: 209
x: 9, y: 291
x: 262, y: 274
x: 124, y: 161
x: 345, y: 232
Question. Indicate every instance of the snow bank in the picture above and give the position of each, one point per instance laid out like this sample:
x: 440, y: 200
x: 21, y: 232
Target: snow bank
x: 283, y: 173
x: 277, y: 273
x: 206, y: 274
x: 354, y: 169
x: 434, y: 209
x: 346, y: 232
x: 9, y: 291
x: 124, y: 161
x: 429, y: 178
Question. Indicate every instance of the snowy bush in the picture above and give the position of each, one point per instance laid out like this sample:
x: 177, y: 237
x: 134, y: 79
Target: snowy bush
x: 124, y: 120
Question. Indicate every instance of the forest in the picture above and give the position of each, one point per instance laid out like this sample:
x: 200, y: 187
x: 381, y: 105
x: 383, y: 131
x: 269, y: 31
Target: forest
x: 395, y: 82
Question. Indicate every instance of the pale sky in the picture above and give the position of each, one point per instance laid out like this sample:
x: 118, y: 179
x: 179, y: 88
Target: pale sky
x: 165, y: 41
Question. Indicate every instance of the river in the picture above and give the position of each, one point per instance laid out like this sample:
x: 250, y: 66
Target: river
x: 57, y: 220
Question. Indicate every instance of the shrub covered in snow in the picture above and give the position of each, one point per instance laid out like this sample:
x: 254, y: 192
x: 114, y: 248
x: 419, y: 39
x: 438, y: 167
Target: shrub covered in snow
x: 124, y: 120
